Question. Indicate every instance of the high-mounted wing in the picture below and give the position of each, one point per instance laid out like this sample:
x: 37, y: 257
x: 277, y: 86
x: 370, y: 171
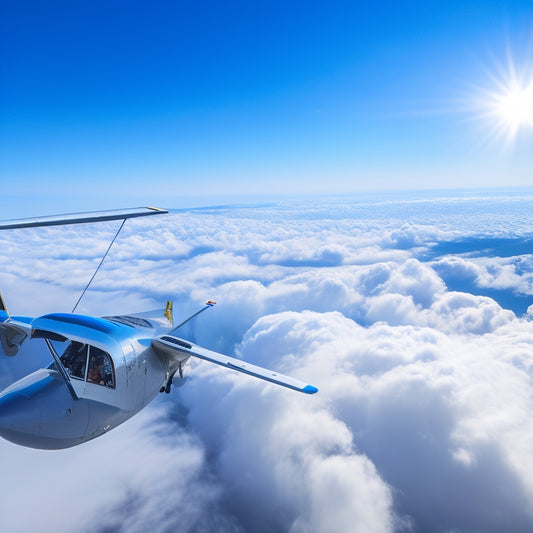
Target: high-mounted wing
x: 170, y: 346
x: 80, y: 218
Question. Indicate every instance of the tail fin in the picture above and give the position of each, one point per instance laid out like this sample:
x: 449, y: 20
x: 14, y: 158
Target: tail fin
x: 11, y: 335
x: 168, y: 313
x: 2, y: 306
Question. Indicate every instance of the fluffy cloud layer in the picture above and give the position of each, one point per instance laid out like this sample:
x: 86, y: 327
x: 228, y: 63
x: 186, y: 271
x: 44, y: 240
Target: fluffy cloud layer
x: 422, y: 421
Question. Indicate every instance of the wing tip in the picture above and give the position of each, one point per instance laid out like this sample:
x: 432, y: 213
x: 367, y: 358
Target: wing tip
x: 309, y: 389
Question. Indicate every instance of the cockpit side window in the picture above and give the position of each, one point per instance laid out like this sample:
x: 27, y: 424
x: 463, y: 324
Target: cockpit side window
x: 74, y: 359
x: 100, y: 370
x: 97, y: 368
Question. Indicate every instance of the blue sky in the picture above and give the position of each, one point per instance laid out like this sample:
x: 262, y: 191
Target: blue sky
x: 108, y: 104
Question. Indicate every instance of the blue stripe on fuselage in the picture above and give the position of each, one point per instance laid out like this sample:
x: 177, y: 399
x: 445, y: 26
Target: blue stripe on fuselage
x: 85, y: 327
x: 99, y: 324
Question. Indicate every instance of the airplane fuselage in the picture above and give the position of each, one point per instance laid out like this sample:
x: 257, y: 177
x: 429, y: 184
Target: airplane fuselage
x: 40, y: 411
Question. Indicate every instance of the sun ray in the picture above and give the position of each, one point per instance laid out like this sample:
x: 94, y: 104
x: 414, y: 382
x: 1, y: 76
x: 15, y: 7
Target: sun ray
x: 507, y: 107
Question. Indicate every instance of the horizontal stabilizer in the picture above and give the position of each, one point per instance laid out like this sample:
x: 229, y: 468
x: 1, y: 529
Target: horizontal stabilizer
x: 81, y: 218
x: 168, y: 344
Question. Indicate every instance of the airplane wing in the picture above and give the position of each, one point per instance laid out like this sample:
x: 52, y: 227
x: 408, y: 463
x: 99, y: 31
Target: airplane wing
x: 80, y: 218
x: 172, y: 346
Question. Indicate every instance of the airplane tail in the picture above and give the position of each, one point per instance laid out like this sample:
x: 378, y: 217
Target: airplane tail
x: 11, y: 336
x: 3, y: 310
x: 168, y: 313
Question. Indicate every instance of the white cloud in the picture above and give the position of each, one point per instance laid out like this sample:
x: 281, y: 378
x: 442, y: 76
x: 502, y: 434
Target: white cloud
x: 466, y: 313
x: 443, y: 417
x: 150, y: 475
x: 509, y: 273
x: 286, y: 462
x: 422, y: 421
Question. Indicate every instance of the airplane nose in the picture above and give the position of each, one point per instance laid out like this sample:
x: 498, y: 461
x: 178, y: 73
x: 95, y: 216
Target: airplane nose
x: 38, y: 411
x: 21, y: 407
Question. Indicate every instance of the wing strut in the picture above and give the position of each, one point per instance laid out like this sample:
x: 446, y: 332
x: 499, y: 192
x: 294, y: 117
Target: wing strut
x: 100, y: 264
x: 61, y: 369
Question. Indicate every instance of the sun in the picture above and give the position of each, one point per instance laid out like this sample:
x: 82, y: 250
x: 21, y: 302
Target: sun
x: 507, y: 107
x: 515, y: 106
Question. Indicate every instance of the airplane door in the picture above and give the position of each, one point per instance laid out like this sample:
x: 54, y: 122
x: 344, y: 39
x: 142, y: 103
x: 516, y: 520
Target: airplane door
x: 100, y: 381
x: 106, y: 387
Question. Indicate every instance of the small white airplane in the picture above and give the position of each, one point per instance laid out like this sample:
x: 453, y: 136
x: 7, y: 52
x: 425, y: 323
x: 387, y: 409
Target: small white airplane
x: 103, y: 370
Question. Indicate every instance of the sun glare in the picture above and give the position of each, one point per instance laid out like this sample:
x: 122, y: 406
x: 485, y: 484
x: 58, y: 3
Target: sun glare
x: 507, y: 108
x: 515, y: 107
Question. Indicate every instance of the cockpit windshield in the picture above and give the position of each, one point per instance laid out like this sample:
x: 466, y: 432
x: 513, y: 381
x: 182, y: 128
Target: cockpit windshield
x: 128, y: 320
x: 74, y: 359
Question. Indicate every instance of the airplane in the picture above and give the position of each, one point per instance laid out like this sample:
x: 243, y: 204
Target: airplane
x: 103, y: 370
